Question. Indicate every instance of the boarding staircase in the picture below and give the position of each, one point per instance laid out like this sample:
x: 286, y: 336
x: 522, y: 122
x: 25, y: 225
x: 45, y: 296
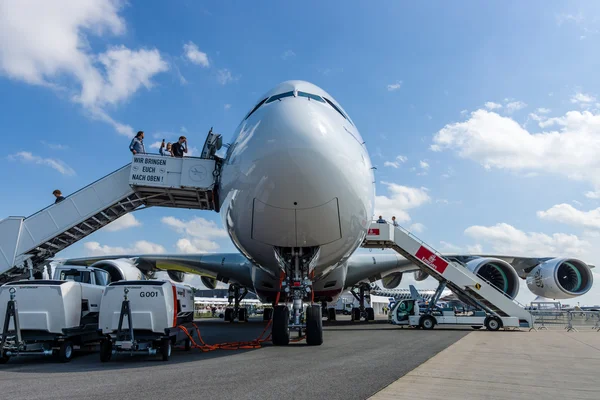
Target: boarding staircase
x: 464, y: 283
x: 26, y: 243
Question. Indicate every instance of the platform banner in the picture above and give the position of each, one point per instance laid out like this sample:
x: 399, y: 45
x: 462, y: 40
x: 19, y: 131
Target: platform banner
x: 429, y: 258
x: 148, y: 171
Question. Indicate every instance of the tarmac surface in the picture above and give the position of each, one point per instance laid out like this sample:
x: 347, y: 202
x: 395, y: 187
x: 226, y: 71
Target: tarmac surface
x: 354, y: 362
x: 506, y: 366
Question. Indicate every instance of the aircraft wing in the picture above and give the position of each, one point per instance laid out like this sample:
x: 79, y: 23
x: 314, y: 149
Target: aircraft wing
x: 224, y: 267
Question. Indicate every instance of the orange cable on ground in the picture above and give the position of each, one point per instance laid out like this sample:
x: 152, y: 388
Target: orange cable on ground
x: 253, y: 344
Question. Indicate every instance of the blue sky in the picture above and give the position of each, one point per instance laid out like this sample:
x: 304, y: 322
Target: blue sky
x: 483, y: 120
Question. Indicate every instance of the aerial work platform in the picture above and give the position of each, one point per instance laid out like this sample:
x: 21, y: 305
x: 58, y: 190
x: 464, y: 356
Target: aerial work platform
x: 456, y: 277
x: 149, y: 180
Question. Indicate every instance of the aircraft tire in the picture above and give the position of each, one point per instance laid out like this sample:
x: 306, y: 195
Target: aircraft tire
x: 105, y: 350
x: 331, y: 314
x: 314, y: 326
x: 355, y: 314
x: 267, y: 314
x: 243, y: 314
x: 187, y: 344
x: 370, y: 313
x: 427, y: 322
x: 228, y: 315
x: 280, y: 332
x: 4, y: 358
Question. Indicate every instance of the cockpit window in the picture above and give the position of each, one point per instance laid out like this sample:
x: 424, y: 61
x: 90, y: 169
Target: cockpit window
x: 255, y: 108
x: 279, y: 96
x: 311, y: 96
x: 335, y: 108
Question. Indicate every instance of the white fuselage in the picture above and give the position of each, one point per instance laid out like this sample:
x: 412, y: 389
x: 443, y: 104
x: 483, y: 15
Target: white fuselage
x: 297, y: 175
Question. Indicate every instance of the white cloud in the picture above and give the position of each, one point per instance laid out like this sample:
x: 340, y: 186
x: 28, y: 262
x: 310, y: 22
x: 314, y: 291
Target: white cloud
x: 508, y: 240
x: 423, y: 164
x: 54, y: 163
x: 449, y: 247
x: 396, y: 163
x: 124, y: 222
x: 577, y: 203
x: 542, y: 110
x: 593, y: 195
x: 54, y: 146
x: 490, y: 105
x: 582, y: 99
x: 44, y: 42
x: 197, y: 227
x: 394, y: 86
x: 515, y: 106
x: 126, y: 71
x: 195, y: 246
x: 500, y: 142
x: 567, y: 214
x: 139, y: 247
x: 288, y: 54
x: 227, y: 106
x: 417, y: 227
x: 401, y: 198
x: 199, y: 234
x: 224, y: 76
x: 196, y: 56
x: 183, y: 129
x: 475, y: 249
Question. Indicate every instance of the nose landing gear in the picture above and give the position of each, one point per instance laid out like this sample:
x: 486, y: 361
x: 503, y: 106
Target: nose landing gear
x: 297, y: 286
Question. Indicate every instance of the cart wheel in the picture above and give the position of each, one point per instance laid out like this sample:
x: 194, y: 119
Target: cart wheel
x: 65, y: 353
x: 165, y: 349
x: 4, y: 359
x: 105, y: 350
x: 188, y: 344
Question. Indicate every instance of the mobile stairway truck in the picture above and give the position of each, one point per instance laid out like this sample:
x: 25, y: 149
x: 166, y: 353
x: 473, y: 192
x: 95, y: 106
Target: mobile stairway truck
x: 408, y: 312
x: 144, y: 317
x: 51, y: 317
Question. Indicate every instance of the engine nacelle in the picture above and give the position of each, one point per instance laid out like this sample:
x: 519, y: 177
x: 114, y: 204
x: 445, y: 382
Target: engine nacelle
x: 120, y: 269
x: 392, y: 281
x: 498, y: 272
x: 420, y: 275
x: 560, y: 278
x: 177, y: 276
x: 210, y: 283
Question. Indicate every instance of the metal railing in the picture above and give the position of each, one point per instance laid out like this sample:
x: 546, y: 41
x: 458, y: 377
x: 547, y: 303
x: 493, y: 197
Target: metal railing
x: 571, y: 321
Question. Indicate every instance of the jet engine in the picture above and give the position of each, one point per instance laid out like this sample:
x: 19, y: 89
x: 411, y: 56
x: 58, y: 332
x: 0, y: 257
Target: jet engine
x: 392, y: 281
x: 210, y: 283
x: 120, y: 269
x: 177, y: 276
x: 420, y: 275
x: 497, y: 272
x: 560, y: 278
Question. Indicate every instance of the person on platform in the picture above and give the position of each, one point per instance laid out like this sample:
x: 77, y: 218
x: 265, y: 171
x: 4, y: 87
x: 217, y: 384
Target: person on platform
x: 179, y: 147
x: 166, y: 150
x: 137, y: 144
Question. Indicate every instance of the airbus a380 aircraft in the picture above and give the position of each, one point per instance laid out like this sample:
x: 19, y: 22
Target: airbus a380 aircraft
x: 297, y: 196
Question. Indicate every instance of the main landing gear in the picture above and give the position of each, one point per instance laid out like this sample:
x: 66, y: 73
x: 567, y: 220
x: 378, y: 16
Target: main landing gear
x: 330, y: 312
x: 297, y: 287
x: 236, y: 295
x: 361, y: 311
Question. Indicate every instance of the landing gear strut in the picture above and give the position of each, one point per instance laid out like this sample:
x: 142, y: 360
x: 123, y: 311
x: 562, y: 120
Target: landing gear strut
x: 236, y: 295
x: 361, y: 311
x: 297, y: 286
